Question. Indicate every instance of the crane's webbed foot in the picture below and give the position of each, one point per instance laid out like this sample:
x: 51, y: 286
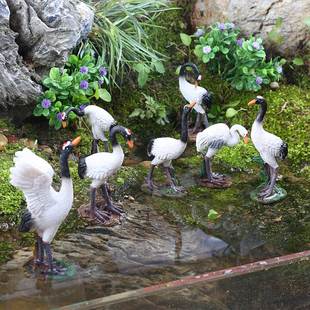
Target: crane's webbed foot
x: 179, y: 189
x: 98, y: 215
x: 114, y: 209
x: 218, y: 176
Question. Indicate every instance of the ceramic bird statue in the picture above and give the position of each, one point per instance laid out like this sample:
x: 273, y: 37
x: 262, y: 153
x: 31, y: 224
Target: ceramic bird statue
x: 46, y: 208
x: 99, y: 167
x: 195, y: 94
x: 163, y: 150
x: 211, y: 140
x: 100, y: 121
x: 269, y: 146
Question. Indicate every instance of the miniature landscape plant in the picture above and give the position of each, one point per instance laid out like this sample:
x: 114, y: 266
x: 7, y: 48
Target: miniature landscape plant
x: 239, y: 61
x: 81, y: 81
x: 120, y: 34
x: 152, y: 110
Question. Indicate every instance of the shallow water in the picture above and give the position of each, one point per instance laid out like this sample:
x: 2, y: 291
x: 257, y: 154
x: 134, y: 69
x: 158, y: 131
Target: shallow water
x: 164, y: 239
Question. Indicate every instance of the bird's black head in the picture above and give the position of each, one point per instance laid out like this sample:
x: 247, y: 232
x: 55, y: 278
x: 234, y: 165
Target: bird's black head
x: 68, y: 146
x: 258, y: 100
x: 125, y: 132
x: 65, y: 115
x: 207, y: 99
x: 196, y: 72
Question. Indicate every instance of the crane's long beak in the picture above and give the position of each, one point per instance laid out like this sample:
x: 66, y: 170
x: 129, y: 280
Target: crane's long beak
x: 64, y: 124
x: 196, y: 84
x: 130, y: 144
x: 76, y: 141
x: 246, y: 139
x: 252, y: 102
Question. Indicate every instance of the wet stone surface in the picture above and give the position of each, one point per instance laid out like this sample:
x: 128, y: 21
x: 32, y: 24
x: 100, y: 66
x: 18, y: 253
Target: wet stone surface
x: 163, y: 239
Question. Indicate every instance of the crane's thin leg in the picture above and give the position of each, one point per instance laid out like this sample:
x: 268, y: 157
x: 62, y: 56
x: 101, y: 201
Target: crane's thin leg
x: 109, y: 205
x: 94, y: 146
x: 211, y: 177
x: 171, y: 178
x: 106, y: 146
x: 205, y: 120
x: 197, y: 123
x: 149, y: 178
x: 273, y: 178
x: 39, y: 258
x: 101, y: 216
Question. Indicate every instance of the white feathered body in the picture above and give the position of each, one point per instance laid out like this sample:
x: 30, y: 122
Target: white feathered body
x: 48, y: 208
x: 165, y: 150
x: 267, y: 144
x: 100, y: 121
x: 191, y: 93
x: 101, y: 166
x: 213, y: 138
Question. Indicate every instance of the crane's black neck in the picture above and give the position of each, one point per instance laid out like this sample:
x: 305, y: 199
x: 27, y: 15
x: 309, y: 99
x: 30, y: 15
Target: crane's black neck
x: 65, y: 172
x: 114, y: 129
x: 262, y: 112
x: 77, y: 111
x: 184, y: 125
x: 191, y: 65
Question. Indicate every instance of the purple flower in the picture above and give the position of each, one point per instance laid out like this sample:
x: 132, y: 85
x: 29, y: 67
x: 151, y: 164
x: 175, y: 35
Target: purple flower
x: 84, y: 69
x: 221, y: 26
x: 259, y: 80
x: 59, y: 116
x: 206, y: 49
x: 46, y: 103
x: 279, y: 69
x: 199, y: 32
x: 82, y: 107
x: 239, y: 42
x: 256, y: 45
x: 100, y: 82
x: 103, y: 71
x: 84, y: 84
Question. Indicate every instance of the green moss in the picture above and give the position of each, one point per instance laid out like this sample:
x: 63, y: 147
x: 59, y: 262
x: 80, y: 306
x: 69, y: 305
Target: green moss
x: 6, y: 250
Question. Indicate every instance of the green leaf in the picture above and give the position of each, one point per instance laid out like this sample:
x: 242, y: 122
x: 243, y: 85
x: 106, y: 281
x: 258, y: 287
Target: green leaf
x: 245, y: 70
x: 212, y: 215
x: 37, y: 111
x: 186, y: 39
x: 46, y: 112
x: 159, y: 66
x: 142, y: 78
x: 54, y: 73
x: 73, y: 59
x: 298, y: 61
x: 104, y: 95
x: 225, y: 50
x: 231, y: 112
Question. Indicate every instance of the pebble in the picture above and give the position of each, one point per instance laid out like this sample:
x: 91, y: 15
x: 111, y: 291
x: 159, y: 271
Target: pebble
x: 274, y: 85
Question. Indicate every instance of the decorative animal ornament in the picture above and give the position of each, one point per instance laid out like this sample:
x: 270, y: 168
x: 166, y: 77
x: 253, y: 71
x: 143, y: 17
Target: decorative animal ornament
x: 269, y: 146
x: 46, y: 208
x: 99, y: 167
x: 210, y: 141
x: 100, y: 121
x: 195, y: 94
x: 163, y: 150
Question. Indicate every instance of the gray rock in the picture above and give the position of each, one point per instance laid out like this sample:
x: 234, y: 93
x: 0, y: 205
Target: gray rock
x: 259, y: 17
x: 45, y: 33
x: 49, y: 30
x: 18, y: 90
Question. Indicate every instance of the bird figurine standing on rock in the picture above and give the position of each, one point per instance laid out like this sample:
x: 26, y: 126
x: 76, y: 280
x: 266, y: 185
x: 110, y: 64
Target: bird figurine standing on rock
x: 46, y: 208
x: 163, y: 150
x: 99, y: 167
x: 270, y: 148
x: 100, y: 121
x: 210, y: 141
x: 195, y: 94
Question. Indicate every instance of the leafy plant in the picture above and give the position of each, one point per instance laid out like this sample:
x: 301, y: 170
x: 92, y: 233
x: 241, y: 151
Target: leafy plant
x: 81, y: 81
x: 120, y: 34
x: 153, y: 110
x: 240, y: 61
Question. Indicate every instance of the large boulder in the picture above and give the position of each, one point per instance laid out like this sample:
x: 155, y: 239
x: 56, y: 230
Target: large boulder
x: 49, y: 30
x: 17, y: 88
x: 35, y: 36
x: 259, y: 17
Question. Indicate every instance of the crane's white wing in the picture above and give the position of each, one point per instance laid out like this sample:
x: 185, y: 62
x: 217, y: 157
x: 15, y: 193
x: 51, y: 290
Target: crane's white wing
x: 167, y: 148
x: 33, y: 176
x: 214, y: 137
x: 103, y: 165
